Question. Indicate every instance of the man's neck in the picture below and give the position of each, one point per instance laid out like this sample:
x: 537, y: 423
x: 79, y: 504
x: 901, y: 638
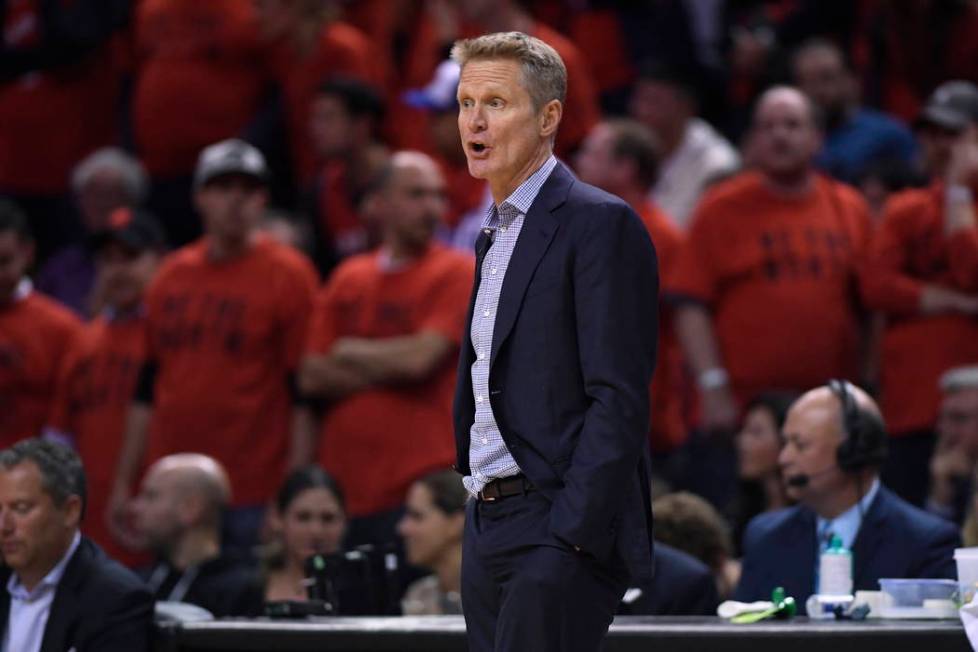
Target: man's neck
x: 221, y: 250
x: 401, y: 253
x: 196, y: 547
x: 671, y: 139
x: 501, y: 189
x: 839, y: 502
x: 448, y: 570
x: 791, y: 185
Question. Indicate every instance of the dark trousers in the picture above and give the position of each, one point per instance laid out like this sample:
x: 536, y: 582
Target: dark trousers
x: 523, y: 589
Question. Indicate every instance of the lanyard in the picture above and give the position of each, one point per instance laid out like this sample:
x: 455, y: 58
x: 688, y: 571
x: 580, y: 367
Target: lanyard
x: 180, y: 589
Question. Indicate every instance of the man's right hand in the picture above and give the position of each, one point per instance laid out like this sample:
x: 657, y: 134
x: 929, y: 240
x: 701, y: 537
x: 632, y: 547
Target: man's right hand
x: 719, y: 409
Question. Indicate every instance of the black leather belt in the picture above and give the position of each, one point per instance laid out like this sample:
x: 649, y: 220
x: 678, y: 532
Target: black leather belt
x: 516, y: 485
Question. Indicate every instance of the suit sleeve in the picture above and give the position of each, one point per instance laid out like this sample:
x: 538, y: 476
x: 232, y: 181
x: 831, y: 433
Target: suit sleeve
x: 747, y: 589
x: 125, y: 625
x: 936, y: 559
x: 615, y: 284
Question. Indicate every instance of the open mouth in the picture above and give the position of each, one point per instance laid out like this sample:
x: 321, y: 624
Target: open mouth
x: 478, y: 147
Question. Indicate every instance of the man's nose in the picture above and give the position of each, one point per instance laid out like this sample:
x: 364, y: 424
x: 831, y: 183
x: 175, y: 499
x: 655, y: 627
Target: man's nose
x: 477, y: 120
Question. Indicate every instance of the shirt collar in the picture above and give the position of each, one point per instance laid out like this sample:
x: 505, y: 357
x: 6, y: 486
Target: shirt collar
x: 50, y: 581
x: 846, y: 525
x: 522, y: 198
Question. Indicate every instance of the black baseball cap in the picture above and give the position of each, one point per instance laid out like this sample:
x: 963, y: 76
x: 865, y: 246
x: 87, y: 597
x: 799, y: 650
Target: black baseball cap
x: 232, y: 156
x: 952, y: 106
x: 132, y: 227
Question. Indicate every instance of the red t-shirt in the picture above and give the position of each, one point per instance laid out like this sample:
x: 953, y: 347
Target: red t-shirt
x: 200, y: 75
x: 36, y: 333
x: 377, y: 442
x: 226, y: 336
x: 910, y: 250
x: 92, y: 400
x: 779, y: 276
x: 49, y: 120
x: 666, y: 391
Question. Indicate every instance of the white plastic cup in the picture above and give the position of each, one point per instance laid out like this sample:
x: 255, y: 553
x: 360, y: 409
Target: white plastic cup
x: 967, y: 563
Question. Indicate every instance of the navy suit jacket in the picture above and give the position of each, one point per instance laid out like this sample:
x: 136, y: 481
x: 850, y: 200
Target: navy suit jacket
x: 99, y: 606
x: 682, y: 586
x: 573, y: 352
x: 895, y: 540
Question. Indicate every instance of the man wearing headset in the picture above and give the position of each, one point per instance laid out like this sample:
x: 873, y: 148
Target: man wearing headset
x: 834, y: 444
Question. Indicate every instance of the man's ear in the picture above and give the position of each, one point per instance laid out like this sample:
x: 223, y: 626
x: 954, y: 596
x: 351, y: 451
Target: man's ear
x: 72, y: 512
x: 550, y: 118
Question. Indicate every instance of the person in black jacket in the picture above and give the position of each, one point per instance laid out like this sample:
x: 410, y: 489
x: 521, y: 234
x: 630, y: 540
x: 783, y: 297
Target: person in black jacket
x: 90, y: 603
x: 682, y: 586
x: 178, y: 516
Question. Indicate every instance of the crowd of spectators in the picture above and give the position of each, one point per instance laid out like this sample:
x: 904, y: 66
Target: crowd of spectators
x: 236, y: 259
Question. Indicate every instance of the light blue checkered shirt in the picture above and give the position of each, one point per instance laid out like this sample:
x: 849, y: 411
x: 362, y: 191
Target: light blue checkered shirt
x: 488, y: 456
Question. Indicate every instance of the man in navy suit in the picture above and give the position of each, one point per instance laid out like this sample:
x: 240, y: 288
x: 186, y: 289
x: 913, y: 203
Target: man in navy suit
x: 835, y: 442
x: 551, y: 408
x: 58, y: 590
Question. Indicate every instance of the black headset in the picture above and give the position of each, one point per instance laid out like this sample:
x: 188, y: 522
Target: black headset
x: 865, y: 439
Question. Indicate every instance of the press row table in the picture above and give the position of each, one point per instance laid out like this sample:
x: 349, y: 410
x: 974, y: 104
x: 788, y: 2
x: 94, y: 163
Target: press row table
x: 628, y: 634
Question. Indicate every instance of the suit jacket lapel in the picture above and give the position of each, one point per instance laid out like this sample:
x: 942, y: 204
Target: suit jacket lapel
x: 799, y: 557
x: 63, y: 616
x: 539, y: 227
x: 869, y: 538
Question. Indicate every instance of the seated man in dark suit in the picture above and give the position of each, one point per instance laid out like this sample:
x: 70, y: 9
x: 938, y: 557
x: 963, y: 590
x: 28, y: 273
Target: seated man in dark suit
x: 835, y: 442
x: 178, y: 515
x: 682, y: 586
x: 60, y: 590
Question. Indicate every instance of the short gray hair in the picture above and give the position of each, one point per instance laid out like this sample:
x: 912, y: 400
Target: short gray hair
x: 132, y: 172
x: 62, y: 473
x: 544, y: 72
x: 959, y: 378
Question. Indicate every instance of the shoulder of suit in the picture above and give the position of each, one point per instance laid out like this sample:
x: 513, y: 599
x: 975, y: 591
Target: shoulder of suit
x: 910, y: 520
x: 771, y: 523
x: 103, y: 577
x: 681, y: 561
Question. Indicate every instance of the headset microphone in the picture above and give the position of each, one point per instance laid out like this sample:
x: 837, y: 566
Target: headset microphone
x: 802, y: 479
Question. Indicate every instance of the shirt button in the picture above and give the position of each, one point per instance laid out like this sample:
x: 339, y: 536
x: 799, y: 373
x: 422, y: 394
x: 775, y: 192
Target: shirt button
x: 485, y: 313
x: 478, y: 399
x: 482, y: 356
x: 492, y: 271
x: 485, y: 440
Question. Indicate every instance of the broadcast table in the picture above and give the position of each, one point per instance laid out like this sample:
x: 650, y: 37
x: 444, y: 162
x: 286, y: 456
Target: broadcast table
x: 628, y: 634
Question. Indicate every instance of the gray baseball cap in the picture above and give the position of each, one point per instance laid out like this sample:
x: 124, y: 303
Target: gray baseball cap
x: 232, y: 156
x: 953, y: 106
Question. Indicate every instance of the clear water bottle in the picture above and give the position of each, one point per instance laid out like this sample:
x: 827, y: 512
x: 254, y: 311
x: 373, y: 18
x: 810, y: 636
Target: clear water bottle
x: 835, y: 569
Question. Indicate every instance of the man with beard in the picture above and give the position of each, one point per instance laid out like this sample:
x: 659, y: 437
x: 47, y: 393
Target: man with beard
x: 855, y: 137
x: 764, y: 285
x: 382, y: 347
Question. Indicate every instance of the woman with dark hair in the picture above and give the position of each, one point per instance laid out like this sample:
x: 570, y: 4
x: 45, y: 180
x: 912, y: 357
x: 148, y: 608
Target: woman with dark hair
x: 309, y: 518
x: 758, y: 447
x: 432, y: 530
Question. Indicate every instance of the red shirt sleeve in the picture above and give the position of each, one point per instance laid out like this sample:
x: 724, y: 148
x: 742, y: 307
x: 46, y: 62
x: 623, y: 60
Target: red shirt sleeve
x: 885, y: 284
x: 962, y: 250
